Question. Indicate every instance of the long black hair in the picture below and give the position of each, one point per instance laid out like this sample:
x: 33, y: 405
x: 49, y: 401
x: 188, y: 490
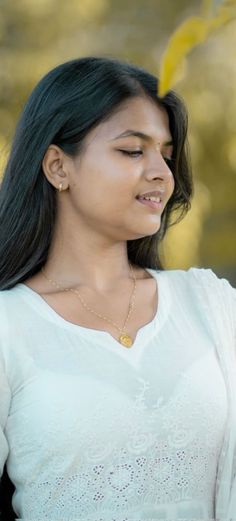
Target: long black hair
x: 64, y: 106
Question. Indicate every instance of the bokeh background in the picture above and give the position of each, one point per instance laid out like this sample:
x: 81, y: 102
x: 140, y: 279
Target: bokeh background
x: 36, y: 35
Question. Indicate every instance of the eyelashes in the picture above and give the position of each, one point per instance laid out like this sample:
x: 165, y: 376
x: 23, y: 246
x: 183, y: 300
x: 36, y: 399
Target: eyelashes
x: 137, y: 153
x: 131, y: 152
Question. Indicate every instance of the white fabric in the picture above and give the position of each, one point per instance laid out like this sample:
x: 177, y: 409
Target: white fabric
x: 93, y: 431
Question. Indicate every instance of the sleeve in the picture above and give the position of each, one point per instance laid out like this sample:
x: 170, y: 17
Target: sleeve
x: 230, y: 296
x: 222, y: 290
x: 5, y: 398
x: 228, y: 293
x: 222, y: 296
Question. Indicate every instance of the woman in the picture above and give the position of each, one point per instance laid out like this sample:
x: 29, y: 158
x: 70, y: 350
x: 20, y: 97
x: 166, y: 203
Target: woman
x: 114, y: 379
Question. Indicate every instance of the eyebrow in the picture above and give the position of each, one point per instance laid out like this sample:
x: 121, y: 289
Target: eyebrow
x: 141, y: 135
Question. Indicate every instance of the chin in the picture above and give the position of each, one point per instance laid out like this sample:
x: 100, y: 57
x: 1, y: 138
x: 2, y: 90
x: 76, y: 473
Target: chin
x: 146, y: 233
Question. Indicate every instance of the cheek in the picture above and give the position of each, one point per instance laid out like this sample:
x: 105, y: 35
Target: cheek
x: 116, y: 184
x: 101, y: 193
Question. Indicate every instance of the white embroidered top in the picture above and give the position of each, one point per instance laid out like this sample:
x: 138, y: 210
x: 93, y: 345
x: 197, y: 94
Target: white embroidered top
x: 93, y: 431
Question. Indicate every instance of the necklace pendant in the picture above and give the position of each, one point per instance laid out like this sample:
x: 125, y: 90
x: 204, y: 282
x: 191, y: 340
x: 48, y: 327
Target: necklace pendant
x: 125, y: 340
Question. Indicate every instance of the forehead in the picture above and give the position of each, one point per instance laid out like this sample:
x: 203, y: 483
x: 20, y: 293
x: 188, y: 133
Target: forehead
x: 141, y: 114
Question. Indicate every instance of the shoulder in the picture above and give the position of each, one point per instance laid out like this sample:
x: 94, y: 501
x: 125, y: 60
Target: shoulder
x: 208, y: 278
x: 202, y: 276
x: 9, y: 296
x: 202, y: 281
x: 210, y: 290
x: 10, y: 308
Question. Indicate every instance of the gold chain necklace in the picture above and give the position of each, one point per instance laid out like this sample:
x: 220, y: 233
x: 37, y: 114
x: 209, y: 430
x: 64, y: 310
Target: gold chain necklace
x: 124, y: 339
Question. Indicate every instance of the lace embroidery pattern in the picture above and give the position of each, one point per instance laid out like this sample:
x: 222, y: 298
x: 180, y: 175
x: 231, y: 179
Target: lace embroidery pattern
x: 161, y: 460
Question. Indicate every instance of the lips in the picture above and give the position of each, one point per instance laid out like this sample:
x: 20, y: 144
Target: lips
x: 152, y: 204
x: 154, y: 193
x: 149, y: 198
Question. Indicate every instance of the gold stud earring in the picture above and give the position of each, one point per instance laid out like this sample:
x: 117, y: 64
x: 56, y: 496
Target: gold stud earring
x: 60, y: 187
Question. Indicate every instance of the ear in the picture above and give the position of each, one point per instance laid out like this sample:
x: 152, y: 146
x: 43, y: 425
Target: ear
x: 55, y: 166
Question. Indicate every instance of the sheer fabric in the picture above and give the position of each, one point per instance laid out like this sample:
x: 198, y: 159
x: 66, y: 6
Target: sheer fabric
x: 92, y: 431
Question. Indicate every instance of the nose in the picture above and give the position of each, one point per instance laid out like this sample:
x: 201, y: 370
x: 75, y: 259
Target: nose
x: 158, y: 168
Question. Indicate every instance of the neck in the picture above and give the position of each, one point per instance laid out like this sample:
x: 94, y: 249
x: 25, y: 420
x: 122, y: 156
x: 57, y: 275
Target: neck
x: 101, y: 272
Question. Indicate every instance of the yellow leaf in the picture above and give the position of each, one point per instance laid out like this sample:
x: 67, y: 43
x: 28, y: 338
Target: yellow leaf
x: 192, y: 32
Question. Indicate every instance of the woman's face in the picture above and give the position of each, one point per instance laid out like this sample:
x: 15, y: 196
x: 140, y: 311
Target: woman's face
x: 106, y: 178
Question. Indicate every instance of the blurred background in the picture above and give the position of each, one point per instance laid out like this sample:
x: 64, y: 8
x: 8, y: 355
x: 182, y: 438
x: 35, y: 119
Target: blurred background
x: 36, y: 35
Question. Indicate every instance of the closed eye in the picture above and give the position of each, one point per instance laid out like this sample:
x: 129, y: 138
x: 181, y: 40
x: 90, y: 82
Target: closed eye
x: 132, y: 153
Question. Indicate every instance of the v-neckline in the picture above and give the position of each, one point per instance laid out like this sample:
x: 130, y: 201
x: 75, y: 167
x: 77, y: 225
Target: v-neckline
x: 144, y: 333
